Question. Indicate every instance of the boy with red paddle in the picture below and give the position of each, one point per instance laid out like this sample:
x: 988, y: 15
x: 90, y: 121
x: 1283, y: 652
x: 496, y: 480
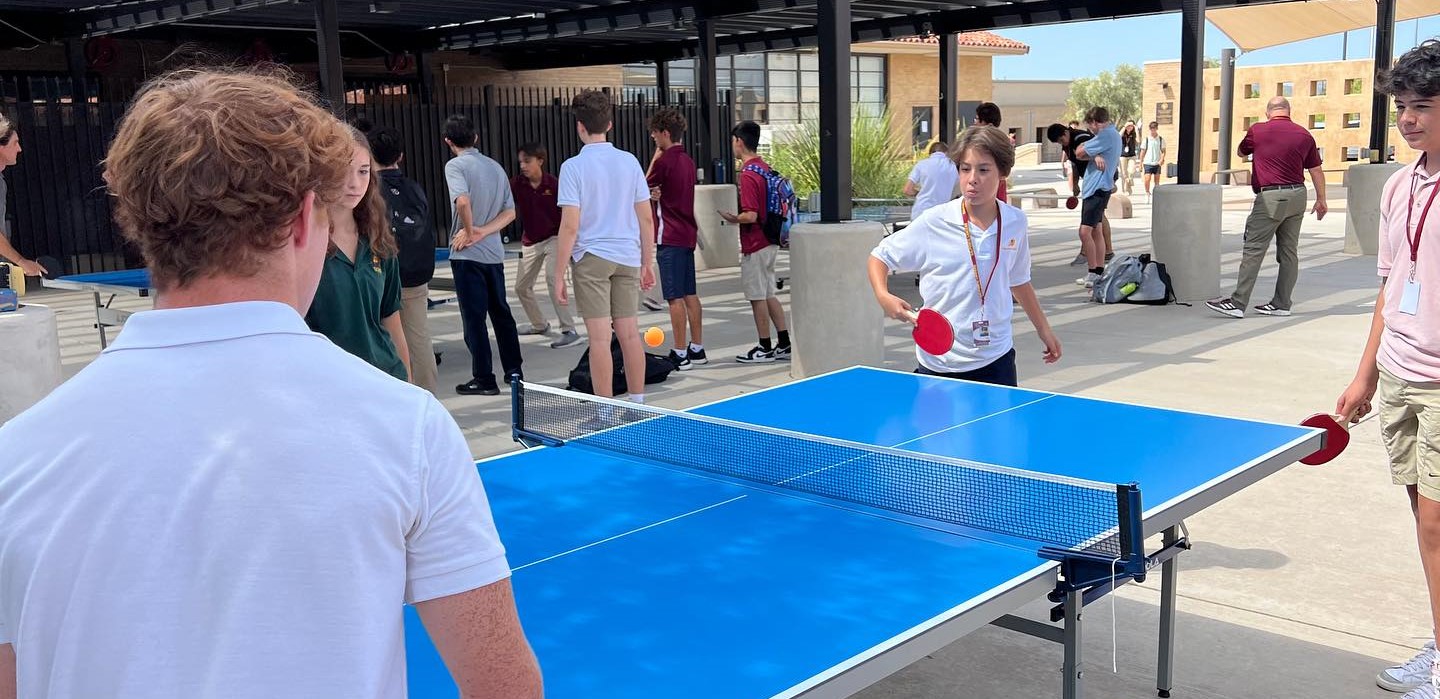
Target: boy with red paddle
x: 974, y: 256
x: 1402, y: 355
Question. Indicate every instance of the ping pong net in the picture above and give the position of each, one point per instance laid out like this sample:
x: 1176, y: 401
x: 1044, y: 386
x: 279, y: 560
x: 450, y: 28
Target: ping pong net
x: 1099, y: 520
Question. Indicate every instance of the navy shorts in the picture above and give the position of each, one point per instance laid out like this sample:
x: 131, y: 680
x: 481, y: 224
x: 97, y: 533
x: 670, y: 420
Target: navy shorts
x: 677, y: 271
x: 1092, y: 209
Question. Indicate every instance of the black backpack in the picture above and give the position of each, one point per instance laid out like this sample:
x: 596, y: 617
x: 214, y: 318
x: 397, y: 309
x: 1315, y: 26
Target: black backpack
x: 657, y: 369
x: 410, y: 222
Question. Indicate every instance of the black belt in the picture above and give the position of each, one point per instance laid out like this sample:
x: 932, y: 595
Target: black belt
x: 1269, y: 187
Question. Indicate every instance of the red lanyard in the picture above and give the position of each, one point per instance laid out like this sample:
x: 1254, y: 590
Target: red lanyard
x: 975, y: 263
x: 1414, y: 240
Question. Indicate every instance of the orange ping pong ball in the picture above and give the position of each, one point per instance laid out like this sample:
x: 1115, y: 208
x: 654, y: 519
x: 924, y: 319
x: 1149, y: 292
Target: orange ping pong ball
x: 654, y: 336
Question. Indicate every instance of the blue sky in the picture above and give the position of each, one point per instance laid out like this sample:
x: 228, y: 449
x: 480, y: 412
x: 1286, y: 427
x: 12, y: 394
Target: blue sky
x: 1068, y: 51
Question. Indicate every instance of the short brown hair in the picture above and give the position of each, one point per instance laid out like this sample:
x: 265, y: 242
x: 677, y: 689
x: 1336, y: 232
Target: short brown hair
x: 7, y: 129
x: 209, y: 168
x: 939, y: 147
x: 536, y: 151
x: 1097, y: 115
x: 592, y: 109
x: 671, y: 121
x: 986, y: 139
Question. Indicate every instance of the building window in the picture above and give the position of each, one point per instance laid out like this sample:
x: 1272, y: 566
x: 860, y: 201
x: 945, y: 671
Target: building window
x: 1352, y: 120
x: 1392, y: 118
x: 1216, y: 92
x: 1215, y: 124
x: 1250, y: 121
x: 1285, y: 89
x: 923, y: 121
x: 1317, y: 121
x: 1214, y: 156
x: 1317, y: 88
x: 1352, y: 154
x: 779, y: 88
x: 1252, y: 91
x: 1354, y: 86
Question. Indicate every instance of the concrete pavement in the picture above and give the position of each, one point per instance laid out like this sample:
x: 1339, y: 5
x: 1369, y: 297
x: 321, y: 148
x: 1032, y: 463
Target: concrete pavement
x: 1304, y: 585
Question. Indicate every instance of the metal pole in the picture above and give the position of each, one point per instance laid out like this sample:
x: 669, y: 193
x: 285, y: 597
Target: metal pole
x: 705, y: 85
x: 1227, y: 110
x: 1380, y: 102
x: 662, y: 83
x: 834, y: 34
x: 1169, y: 574
x: 425, y: 77
x: 949, y: 52
x: 327, y: 39
x: 1072, y: 686
x: 1192, y: 90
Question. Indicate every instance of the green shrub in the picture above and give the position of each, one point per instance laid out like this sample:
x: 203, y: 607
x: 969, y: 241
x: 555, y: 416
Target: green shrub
x: 878, y: 167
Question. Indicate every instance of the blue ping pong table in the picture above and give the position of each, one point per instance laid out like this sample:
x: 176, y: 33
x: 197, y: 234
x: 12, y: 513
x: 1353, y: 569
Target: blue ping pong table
x: 105, y: 286
x: 810, y: 539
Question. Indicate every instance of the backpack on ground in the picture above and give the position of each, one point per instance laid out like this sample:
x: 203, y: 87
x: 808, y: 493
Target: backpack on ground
x: 657, y: 369
x: 780, y: 205
x: 1132, y: 279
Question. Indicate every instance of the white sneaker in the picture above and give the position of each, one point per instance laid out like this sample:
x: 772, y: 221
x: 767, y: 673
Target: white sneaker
x: 1088, y: 281
x: 1413, y: 675
x: 1424, y: 691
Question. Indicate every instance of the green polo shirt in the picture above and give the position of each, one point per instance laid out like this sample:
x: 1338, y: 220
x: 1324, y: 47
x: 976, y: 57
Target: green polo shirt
x: 350, y: 302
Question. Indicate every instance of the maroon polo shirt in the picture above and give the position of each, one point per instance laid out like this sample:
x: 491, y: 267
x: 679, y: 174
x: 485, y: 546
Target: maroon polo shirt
x: 674, y: 173
x: 538, y: 208
x: 1283, y: 151
x: 752, y: 198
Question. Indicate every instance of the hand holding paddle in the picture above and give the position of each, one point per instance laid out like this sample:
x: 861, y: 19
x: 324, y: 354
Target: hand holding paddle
x: 932, y: 332
x: 1337, y: 436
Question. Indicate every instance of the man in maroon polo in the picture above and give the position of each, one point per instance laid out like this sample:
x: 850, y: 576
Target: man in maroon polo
x: 1283, y: 152
x: 534, y: 191
x: 672, y: 188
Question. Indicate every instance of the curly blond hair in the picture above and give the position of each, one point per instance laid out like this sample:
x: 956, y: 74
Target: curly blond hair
x: 209, y: 168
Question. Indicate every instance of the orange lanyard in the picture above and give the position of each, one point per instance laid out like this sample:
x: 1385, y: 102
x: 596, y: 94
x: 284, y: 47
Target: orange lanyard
x: 974, y: 261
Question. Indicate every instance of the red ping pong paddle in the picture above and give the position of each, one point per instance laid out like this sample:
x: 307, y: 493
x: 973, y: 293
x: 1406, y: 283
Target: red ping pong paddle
x: 1072, y: 202
x: 1337, y: 437
x: 932, y: 332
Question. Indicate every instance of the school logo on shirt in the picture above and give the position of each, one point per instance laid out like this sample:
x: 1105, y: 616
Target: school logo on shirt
x: 1013, y: 244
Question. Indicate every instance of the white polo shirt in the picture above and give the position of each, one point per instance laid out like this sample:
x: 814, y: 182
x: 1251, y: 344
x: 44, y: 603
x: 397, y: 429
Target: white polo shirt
x: 605, y: 183
x: 934, y: 245
x: 936, y: 176
x: 225, y: 504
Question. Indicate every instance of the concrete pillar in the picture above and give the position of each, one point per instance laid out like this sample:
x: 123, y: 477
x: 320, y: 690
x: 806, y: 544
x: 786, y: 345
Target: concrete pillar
x: 1185, y: 234
x: 835, y: 322
x: 719, y: 242
x: 1363, y: 183
x: 29, y: 358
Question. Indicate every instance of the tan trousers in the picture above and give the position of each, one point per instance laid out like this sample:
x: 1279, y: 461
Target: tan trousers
x: 413, y: 311
x: 535, y: 258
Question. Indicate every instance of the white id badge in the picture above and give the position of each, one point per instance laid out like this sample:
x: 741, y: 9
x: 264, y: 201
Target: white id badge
x: 1410, y: 299
x: 980, y: 330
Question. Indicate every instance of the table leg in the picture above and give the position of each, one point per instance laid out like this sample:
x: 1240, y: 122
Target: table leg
x: 99, y: 325
x: 1074, y: 609
x: 1165, y: 668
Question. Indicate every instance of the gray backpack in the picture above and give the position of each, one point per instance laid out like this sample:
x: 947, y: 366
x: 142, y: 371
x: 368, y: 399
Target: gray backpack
x: 1131, y: 279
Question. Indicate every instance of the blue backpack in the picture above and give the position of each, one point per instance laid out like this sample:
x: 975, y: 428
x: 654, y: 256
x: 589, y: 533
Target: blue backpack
x: 780, y: 205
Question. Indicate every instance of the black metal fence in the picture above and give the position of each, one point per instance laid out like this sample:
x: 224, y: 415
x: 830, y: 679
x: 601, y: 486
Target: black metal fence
x: 58, y: 205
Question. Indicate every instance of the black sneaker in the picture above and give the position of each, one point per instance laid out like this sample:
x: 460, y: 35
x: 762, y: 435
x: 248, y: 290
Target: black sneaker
x: 681, y: 363
x: 1271, y: 309
x: 782, y: 353
x: 1109, y: 256
x: 473, y: 387
x: 756, y: 355
x: 1225, y: 306
x: 697, y: 356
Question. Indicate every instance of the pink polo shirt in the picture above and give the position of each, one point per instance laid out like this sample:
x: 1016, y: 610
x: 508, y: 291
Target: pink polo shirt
x: 1410, y: 344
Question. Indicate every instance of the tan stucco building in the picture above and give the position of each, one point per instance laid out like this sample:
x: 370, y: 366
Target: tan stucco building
x: 1331, y: 99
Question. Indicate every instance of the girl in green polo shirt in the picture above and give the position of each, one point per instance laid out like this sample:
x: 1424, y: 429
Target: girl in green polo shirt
x: 357, y: 304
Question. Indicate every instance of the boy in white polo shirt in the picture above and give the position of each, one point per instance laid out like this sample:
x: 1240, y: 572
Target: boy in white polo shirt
x: 1402, y: 354
x: 253, y: 527
x: 973, y: 257
x: 932, y: 181
x: 607, y: 233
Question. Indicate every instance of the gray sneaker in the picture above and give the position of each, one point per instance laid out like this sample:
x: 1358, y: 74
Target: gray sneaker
x: 567, y: 338
x: 1270, y: 309
x: 537, y: 330
x: 1079, y: 260
x: 1410, y: 675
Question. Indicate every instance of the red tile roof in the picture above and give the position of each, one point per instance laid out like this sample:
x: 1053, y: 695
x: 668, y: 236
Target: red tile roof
x: 988, y: 40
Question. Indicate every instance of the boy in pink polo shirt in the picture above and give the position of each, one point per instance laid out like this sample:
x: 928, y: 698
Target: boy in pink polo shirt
x: 1402, y: 356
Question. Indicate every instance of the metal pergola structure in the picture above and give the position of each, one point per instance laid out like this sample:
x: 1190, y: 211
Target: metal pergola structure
x: 563, y: 33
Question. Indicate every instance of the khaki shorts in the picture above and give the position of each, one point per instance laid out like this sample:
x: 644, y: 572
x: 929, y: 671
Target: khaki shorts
x: 757, y: 273
x: 605, y: 289
x: 1410, y: 426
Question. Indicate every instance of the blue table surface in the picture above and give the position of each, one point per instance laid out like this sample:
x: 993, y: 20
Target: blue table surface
x: 636, y: 580
x: 140, y: 278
